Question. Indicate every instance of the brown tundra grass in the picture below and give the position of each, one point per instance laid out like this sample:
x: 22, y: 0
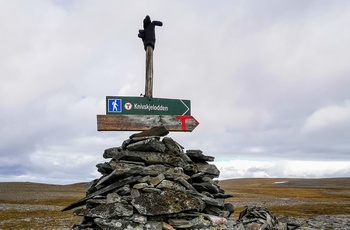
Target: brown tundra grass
x: 296, y: 197
x: 37, y: 206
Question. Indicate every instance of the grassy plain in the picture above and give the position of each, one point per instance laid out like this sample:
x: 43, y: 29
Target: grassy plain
x: 291, y: 197
x: 37, y: 206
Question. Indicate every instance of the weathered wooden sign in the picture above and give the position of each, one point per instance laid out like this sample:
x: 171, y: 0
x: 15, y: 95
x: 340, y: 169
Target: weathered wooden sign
x: 143, y: 113
x: 116, y: 105
x: 179, y: 123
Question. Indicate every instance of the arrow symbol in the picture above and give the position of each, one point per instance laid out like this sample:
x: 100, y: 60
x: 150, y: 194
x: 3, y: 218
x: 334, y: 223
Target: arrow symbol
x: 185, y: 106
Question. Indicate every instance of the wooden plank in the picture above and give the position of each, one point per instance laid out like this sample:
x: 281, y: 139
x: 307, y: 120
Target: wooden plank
x: 144, y: 122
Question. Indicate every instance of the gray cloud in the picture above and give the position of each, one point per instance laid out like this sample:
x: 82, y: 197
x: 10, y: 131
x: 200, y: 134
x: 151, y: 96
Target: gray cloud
x: 267, y: 80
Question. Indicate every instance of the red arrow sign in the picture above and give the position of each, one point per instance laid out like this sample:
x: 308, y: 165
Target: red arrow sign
x: 145, y: 122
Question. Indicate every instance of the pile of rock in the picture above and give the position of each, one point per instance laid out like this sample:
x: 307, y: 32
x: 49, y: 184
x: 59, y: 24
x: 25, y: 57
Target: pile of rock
x: 261, y: 218
x: 152, y: 183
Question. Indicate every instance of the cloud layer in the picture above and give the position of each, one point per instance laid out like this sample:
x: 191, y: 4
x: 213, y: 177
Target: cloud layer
x: 268, y: 82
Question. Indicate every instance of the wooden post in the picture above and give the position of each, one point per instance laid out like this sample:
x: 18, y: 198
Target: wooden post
x: 149, y: 72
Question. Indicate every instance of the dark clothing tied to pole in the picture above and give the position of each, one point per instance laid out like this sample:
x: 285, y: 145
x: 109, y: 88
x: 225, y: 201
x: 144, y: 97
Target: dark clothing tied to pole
x: 149, y: 39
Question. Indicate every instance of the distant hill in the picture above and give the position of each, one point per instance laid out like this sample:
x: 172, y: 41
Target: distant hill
x: 27, y: 191
x: 343, y: 182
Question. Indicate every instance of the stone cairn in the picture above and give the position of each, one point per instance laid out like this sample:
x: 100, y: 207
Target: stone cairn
x: 151, y: 183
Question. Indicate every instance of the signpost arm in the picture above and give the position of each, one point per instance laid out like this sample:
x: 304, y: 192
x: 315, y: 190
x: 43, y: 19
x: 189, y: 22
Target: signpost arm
x: 149, y: 72
x: 145, y: 122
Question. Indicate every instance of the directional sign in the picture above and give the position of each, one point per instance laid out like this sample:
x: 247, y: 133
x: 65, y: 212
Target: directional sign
x: 183, y: 123
x: 116, y: 105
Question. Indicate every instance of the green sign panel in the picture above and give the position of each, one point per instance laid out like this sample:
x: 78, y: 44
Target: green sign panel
x: 116, y: 105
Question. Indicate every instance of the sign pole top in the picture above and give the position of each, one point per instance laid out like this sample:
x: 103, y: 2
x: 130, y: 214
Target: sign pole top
x: 148, y: 37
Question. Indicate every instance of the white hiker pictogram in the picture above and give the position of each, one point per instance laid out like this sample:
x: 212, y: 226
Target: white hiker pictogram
x: 115, y: 105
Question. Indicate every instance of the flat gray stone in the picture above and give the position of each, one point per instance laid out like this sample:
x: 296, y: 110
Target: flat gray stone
x: 135, y: 193
x: 95, y: 202
x: 209, y: 169
x: 157, y: 179
x: 180, y: 223
x: 198, y: 156
x: 186, y: 184
x: 153, y: 225
x: 216, y: 211
x: 111, y: 152
x: 151, y: 145
x: 222, y: 195
x: 153, y: 170
x: 155, y: 131
x: 104, y: 168
x: 132, y: 162
x: 229, y: 207
x: 167, y: 202
x: 214, y: 202
x: 104, y: 190
x: 139, y: 218
x: 107, y: 224
x: 172, y: 145
x: 173, y: 173
x: 110, y: 211
x: 121, y: 170
x: 136, y: 139
x: 140, y: 185
x: 125, y: 190
x: 113, y: 197
x: 219, y: 222
x: 200, y: 223
x: 152, y: 190
x: 149, y: 158
x: 145, y: 179
x: 167, y: 184
x: 205, y: 186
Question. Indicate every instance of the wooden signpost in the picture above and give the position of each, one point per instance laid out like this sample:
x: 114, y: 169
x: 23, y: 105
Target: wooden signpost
x: 143, y: 113
x: 145, y: 122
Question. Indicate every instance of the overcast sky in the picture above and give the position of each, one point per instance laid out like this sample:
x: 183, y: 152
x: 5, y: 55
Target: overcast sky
x: 269, y: 82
